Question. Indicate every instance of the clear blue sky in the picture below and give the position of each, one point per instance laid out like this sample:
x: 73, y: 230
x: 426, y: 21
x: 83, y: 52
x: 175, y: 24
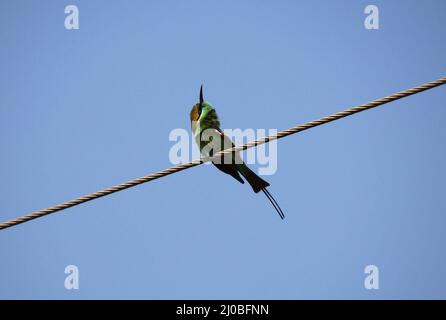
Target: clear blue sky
x: 86, y: 109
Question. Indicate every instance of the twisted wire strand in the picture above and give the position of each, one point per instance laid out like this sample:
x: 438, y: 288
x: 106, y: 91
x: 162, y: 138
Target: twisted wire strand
x: 181, y: 167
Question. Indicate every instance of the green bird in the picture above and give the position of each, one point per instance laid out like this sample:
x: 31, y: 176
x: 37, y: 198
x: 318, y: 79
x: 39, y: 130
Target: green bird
x: 208, y: 136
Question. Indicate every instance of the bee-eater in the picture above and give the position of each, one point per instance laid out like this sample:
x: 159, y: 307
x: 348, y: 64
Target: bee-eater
x: 203, y: 118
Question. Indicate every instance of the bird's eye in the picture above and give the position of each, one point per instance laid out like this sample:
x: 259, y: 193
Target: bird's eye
x: 199, y: 110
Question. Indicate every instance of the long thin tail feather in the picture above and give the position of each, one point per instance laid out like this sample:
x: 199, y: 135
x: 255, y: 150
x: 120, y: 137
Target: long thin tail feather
x: 274, y: 203
x: 258, y: 184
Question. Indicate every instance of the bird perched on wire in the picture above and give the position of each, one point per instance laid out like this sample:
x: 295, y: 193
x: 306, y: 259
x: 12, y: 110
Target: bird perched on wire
x: 211, y: 139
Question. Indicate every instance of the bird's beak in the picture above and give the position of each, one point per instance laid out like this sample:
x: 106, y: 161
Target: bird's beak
x: 201, y: 95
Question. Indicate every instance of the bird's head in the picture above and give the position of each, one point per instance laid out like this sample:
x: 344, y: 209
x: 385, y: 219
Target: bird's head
x: 200, y: 108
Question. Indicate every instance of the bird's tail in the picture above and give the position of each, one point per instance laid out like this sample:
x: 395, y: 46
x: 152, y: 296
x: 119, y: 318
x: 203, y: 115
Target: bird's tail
x: 258, y: 184
x: 254, y: 180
